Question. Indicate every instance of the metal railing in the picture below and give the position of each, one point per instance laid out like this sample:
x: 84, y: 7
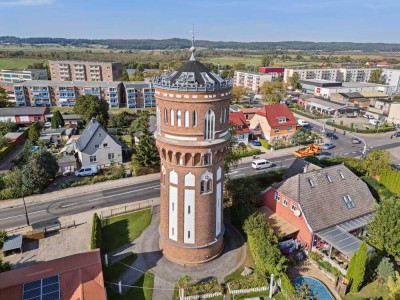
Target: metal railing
x: 136, y: 206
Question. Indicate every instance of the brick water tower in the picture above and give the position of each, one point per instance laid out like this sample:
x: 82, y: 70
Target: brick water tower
x: 192, y: 136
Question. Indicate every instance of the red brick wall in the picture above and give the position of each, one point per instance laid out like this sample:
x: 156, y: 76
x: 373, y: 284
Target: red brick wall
x: 304, y: 233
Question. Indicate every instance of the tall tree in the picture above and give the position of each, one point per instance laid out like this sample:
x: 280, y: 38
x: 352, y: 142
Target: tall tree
x: 122, y: 119
x: 237, y: 93
x: 384, y: 230
x: 377, y: 161
x: 357, y: 271
x: 146, y: 153
x: 274, y: 91
x: 4, y: 99
x: 89, y: 106
x: 57, y: 120
x: 8, y: 126
x: 376, y: 77
x: 267, y: 60
x: 293, y: 82
x: 43, y: 168
x: 125, y: 75
x: 33, y: 133
x: 385, y: 270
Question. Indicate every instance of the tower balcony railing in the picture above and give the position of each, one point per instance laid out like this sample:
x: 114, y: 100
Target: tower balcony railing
x: 191, y: 87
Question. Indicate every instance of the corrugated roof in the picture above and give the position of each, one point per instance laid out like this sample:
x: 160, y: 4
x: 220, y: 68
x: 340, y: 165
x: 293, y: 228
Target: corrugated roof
x: 13, y: 242
x: 22, y: 111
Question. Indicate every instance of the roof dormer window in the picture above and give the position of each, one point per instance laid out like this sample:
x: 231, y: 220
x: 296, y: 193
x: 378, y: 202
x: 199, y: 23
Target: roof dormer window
x: 282, y: 120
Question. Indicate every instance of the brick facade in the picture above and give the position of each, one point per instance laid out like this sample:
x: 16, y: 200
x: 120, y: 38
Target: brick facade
x: 183, y: 149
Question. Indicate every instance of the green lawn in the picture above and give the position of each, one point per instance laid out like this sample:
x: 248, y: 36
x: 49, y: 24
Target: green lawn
x: 145, y: 293
x: 120, y: 230
x: 112, y: 272
x: 371, y: 290
x: 19, y: 63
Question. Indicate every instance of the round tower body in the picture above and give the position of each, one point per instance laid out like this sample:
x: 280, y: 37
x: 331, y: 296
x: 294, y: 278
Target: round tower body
x: 192, y: 136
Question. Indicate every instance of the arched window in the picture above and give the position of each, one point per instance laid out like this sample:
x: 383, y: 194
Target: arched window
x: 206, y: 182
x: 179, y: 118
x: 187, y: 119
x: 209, y: 125
x: 172, y: 117
x: 165, y: 116
x: 194, y: 119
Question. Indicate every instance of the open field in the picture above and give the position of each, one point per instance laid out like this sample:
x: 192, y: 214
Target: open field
x: 19, y: 63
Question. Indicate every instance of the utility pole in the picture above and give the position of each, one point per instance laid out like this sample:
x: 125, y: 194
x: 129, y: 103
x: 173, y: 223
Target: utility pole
x: 26, y: 211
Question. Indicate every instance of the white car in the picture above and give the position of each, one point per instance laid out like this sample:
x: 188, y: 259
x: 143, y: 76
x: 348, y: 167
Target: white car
x: 47, y: 124
x: 261, y: 164
x: 301, y: 122
x: 374, y: 122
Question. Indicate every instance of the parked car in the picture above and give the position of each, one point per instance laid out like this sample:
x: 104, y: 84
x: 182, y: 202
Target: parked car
x: 374, y: 122
x: 396, y: 134
x: 255, y: 143
x: 368, y: 116
x: 88, y: 170
x: 355, y: 141
x: 47, y: 124
x: 331, y: 136
x: 328, y: 146
x: 261, y: 164
x: 301, y: 122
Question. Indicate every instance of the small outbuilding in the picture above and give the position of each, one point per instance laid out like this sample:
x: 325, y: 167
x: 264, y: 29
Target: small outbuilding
x: 13, y: 243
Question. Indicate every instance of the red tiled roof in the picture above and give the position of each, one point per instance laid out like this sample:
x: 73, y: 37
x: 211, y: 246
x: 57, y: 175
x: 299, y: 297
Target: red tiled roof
x: 81, y: 276
x: 275, y: 111
x: 238, y: 119
x: 251, y: 110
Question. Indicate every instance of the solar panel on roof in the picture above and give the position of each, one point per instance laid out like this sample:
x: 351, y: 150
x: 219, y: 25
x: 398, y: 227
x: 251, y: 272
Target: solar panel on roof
x: 43, y: 289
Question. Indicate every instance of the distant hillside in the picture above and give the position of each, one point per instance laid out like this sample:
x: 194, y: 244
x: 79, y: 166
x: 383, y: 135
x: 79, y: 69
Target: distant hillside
x: 149, y: 44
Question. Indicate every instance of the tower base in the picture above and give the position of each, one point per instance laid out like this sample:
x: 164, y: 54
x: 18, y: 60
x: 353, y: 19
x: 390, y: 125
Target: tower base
x: 191, y: 256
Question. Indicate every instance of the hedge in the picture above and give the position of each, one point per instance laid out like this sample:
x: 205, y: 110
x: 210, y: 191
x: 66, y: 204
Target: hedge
x: 378, y: 190
x: 378, y: 130
x: 391, y: 180
x: 241, y: 154
x: 265, y: 144
x: 5, y: 151
x: 95, y: 240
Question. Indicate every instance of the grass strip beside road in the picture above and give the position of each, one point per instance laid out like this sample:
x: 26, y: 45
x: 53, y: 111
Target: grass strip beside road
x: 121, y: 230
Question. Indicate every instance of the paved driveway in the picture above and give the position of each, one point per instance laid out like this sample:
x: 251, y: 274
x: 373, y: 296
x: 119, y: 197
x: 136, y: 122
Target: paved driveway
x: 7, y: 163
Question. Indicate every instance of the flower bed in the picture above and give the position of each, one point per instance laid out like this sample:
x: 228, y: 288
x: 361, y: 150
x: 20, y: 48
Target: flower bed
x: 317, y: 260
x: 248, y: 282
x: 200, y: 290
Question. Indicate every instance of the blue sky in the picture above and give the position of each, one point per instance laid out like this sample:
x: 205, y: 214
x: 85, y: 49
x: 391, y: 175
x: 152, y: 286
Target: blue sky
x: 227, y: 20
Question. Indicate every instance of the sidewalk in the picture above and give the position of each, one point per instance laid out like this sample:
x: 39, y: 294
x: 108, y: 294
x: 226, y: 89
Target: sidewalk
x: 85, y: 189
x: 7, y: 163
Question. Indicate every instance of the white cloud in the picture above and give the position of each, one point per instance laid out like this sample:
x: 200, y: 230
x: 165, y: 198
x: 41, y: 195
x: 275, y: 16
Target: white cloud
x: 25, y: 2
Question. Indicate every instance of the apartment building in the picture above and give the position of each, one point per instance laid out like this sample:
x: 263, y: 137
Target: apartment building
x: 139, y: 94
x: 251, y: 80
x: 392, y: 78
x: 84, y: 71
x: 64, y: 93
x: 17, y: 75
x: 331, y: 74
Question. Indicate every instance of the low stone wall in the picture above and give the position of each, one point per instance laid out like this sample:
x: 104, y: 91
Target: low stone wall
x: 202, y: 296
x: 246, y: 291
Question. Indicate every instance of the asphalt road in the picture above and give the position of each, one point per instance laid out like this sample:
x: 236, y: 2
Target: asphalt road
x: 14, y: 217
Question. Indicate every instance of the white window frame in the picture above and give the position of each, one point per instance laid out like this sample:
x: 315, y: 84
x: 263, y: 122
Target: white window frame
x: 293, y: 207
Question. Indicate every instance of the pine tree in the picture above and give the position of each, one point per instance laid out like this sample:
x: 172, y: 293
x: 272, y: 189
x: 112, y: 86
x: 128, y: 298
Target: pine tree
x: 385, y: 270
x: 33, y: 133
x: 57, y: 120
x: 95, y: 240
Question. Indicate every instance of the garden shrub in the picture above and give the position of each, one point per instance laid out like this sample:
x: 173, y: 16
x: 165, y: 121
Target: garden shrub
x: 265, y: 144
x: 391, y: 180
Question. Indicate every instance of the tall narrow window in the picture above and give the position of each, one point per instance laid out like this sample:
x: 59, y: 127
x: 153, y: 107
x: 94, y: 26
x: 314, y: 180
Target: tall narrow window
x: 209, y: 125
x: 172, y: 117
x: 221, y: 117
x: 158, y: 120
x: 194, y: 119
x: 186, y: 119
x: 179, y: 118
x: 165, y: 116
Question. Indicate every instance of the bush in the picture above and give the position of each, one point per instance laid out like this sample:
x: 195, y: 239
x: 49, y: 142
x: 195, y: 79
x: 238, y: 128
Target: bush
x: 375, y: 130
x: 5, y: 151
x: 248, y: 282
x: 246, y: 153
x: 308, y: 115
x: 210, y: 286
x: 265, y: 144
x: 3, y: 237
x: 95, y: 240
x: 379, y: 191
x: 4, y: 266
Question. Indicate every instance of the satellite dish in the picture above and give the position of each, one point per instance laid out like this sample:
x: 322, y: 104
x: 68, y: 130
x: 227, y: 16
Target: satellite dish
x: 297, y: 213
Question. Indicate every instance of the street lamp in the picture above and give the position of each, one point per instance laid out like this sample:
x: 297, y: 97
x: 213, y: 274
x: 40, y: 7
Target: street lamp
x: 23, y: 196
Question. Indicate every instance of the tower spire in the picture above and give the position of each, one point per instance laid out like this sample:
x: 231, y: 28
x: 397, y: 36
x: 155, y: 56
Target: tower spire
x: 193, y: 48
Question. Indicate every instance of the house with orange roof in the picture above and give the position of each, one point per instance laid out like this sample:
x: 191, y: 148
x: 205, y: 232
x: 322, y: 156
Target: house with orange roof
x: 240, y: 130
x: 273, y: 122
x: 78, y: 276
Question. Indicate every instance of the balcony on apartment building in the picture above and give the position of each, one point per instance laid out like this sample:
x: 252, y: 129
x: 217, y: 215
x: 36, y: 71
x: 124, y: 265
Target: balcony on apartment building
x: 114, y: 104
x: 36, y: 89
x: 67, y: 95
x: 92, y: 92
x: 67, y: 103
x: 113, y: 92
x: 131, y: 94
